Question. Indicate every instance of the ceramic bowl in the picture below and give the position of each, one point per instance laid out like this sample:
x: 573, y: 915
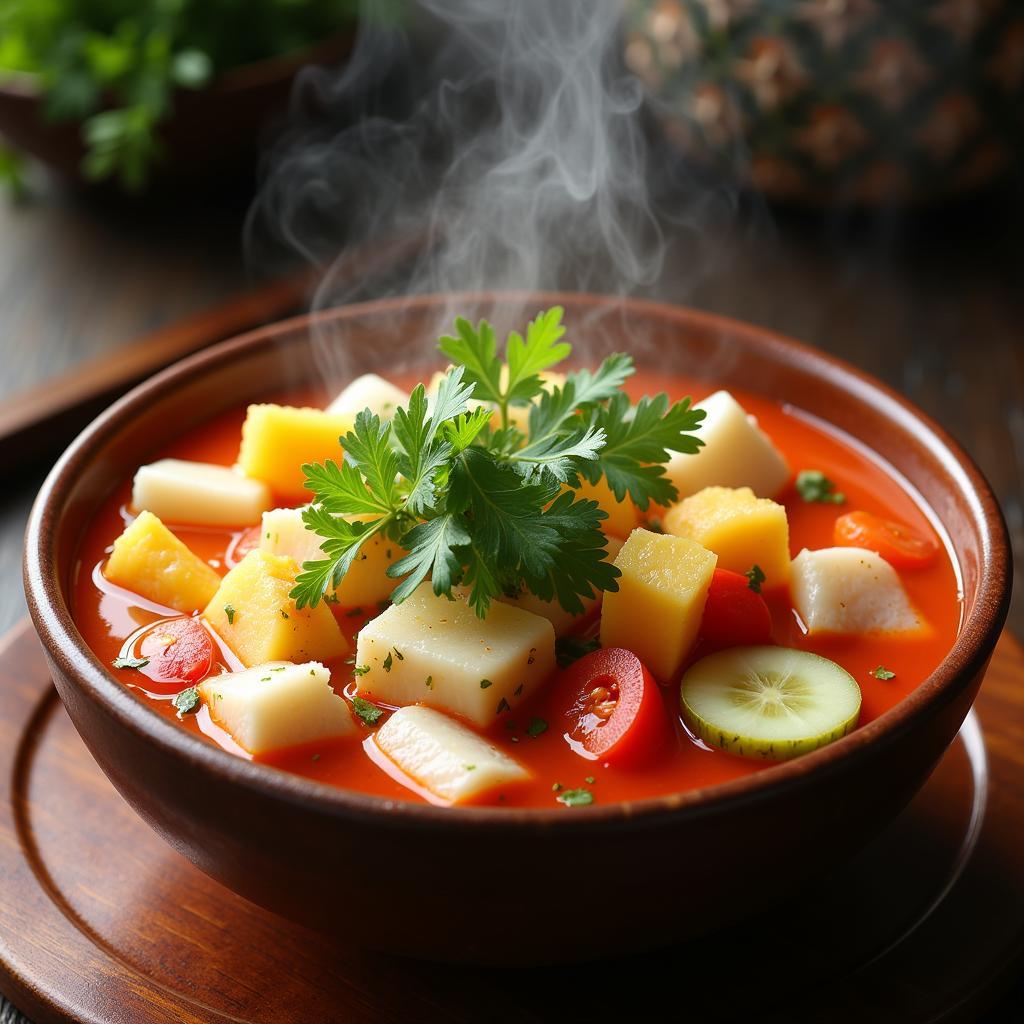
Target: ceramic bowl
x: 517, y: 885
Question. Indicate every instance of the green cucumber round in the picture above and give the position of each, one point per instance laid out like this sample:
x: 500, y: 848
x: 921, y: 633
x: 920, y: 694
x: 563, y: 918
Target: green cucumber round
x: 772, y: 703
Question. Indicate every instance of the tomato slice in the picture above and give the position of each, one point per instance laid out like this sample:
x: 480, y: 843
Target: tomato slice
x: 901, y: 546
x: 179, y: 650
x: 734, y: 615
x: 241, y: 545
x: 614, y: 709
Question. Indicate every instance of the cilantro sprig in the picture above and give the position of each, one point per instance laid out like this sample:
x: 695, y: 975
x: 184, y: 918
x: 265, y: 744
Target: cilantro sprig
x: 481, y: 504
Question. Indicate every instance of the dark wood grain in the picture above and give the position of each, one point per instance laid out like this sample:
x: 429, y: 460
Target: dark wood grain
x: 104, y: 922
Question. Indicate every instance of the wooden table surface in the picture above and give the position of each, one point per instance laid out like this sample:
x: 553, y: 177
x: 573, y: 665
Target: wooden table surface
x: 932, y: 302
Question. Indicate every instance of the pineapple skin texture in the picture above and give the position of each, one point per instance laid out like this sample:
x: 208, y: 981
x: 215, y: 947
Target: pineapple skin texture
x: 278, y: 439
x: 742, y: 529
x: 657, y: 609
x: 150, y: 561
x: 266, y: 625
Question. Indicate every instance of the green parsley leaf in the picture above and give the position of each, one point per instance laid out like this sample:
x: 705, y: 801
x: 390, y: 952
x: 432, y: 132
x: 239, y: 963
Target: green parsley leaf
x: 388, y: 663
x: 369, y: 713
x: 229, y: 611
x: 883, y: 673
x: 130, y: 662
x: 755, y: 577
x: 186, y: 701
x: 812, y: 485
x: 575, y: 797
x: 536, y: 727
x: 484, y: 683
x: 572, y: 647
x: 357, y: 670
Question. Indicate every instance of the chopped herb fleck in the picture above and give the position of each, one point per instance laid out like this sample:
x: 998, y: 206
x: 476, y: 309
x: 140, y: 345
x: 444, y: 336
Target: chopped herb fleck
x: 359, y: 670
x: 280, y: 668
x: 536, y: 727
x: 229, y: 611
x: 332, y: 599
x: 398, y: 654
x: 576, y: 797
x: 571, y: 648
x: 590, y: 780
x: 883, y: 673
x: 130, y: 662
x: 555, y: 787
x: 368, y: 712
x: 284, y: 614
x: 388, y: 662
x: 315, y: 757
x: 813, y: 485
x: 470, y: 767
x: 264, y: 679
x: 353, y: 612
x: 430, y: 682
x: 518, y: 691
x: 654, y: 525
x: 484, y: 683
x: 503, y: 705
x: 186, y: 701
x: 530, y: 660
x: 755, y: 577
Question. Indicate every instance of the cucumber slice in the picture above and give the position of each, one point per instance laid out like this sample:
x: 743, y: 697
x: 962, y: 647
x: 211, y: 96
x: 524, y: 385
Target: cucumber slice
x: 769, y: 702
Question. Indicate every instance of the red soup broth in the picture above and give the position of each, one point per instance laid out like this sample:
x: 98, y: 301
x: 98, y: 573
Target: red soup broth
x: 108, y: 615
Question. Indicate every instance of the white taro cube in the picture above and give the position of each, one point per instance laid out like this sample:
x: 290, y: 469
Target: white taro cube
x: 850, y: 590
x: 563, y: 621
x: 178, y: 491
x: 736, y: 453
x: 444, y: 756
x: 366, y: 582
x: 369, y: 392
x: 436, y: 651
x: 277, y: 705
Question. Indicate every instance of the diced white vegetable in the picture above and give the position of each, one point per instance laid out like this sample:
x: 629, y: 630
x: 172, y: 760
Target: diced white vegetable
x: 736, y: 453
x: 277, y: 705
x: 560, y: 619
x: 366, y: 582
x: 177, y: 491
x: 434, y: 651
x: 443, y: 756
x: 850, y: 590
x: 369, y: 392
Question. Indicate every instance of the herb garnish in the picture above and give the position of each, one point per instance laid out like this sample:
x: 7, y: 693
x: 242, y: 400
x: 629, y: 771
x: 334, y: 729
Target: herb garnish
x: 357, y: 670
x: 229, y: 611
x: 755, y: 577
x: 491, y: 508
x: 388, y: 662
x: 536, y: 727
x: 883, y: 673
x: 130, y: 662
x: 571, y: 648
x: 186, y: 701
x: 368, y: 712
x: 813, y: 485
x: 575, y: 797
x: 484, y: 683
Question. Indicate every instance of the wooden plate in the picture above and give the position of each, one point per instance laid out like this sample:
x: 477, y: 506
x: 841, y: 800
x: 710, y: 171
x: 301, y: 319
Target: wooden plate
x: 101, y: 921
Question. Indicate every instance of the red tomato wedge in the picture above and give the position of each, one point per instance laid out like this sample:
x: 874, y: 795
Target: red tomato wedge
x: 614, y: 710
x: 901, y: 546
x: 734, y: 615
x: 179, y: 651
x: 241, y: 544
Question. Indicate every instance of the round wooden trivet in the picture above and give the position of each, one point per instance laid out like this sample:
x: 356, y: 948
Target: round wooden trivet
x: 101, y: 921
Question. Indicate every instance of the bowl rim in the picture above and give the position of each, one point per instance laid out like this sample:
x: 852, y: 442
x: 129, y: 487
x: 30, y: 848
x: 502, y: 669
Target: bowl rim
x: 67, y: 648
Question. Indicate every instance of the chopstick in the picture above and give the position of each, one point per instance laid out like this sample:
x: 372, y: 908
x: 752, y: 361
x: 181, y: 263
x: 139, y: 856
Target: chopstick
x: 42, y: 420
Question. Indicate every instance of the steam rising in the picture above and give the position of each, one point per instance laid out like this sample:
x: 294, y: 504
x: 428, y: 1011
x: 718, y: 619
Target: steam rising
x: 521, y: 154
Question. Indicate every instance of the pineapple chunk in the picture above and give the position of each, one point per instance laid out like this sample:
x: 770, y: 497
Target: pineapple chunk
x: 365, y: 583
x: 736, y: 453
x: 277, y: 705
x: 149, y: 560
x: 850, y: 590
x: 560, y: 619
x: 657, y: 609
x: 278, y: 439
x: 368, y: 392
x: 443, y: 756
x: 623, y: 517
x: 196, y: 492
x: 253, y: 614
x: 741, y: 529
x: 434, y: 651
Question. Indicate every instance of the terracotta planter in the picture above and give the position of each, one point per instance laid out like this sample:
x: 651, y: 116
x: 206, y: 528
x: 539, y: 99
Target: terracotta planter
x: 486, y: 884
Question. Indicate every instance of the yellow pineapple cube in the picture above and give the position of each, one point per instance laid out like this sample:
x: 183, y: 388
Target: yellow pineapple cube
x: 657, y: 609
x: 623, y: 517
x: 253, y: 614
x: 278, y: 439
x: 742, y: 529
x: 150, y: 561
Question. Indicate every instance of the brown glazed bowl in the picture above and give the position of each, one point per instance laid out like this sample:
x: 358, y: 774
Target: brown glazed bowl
x: 448, y: 883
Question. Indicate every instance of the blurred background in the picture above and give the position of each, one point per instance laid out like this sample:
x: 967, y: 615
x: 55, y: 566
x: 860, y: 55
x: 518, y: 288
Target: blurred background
x: 847, y: 172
